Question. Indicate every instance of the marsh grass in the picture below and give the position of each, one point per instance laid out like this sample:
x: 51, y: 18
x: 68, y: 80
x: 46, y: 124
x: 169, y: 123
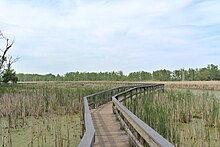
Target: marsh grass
x: 181, y: 116
x: 46, y: 131
x: 42, y: 114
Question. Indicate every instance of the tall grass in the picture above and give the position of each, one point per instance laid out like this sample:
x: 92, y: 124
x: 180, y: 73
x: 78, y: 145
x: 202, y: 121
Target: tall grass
x: 43, y: 114
x: 181, y: 116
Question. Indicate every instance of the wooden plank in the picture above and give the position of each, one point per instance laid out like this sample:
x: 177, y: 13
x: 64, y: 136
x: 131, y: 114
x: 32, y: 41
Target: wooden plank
x: 107, y: 128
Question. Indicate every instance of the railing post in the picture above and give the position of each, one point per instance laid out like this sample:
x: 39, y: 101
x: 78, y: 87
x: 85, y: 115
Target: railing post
x: 163, y: 88
x: 131, y: 97
x: 136, y: 92
x: 144, y: 91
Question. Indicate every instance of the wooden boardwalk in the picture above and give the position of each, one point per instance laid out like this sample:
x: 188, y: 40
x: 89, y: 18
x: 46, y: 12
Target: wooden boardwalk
x: 107, y: 128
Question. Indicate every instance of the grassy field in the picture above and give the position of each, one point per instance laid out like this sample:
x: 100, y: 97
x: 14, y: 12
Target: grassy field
x: 43, y: 114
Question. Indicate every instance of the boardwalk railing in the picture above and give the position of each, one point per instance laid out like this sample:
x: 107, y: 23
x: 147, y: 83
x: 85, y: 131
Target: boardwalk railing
x: 95, y: 100
x: 139, y: 132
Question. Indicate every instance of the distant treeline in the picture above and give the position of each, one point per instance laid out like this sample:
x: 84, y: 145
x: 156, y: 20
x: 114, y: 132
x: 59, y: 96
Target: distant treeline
x: 211, y: 72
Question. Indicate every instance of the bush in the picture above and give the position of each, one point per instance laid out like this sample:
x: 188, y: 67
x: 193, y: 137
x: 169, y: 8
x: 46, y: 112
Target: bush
x: 9, y: 75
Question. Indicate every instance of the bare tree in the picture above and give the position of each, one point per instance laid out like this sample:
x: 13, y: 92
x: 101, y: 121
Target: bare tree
x: 3, y: 57
x: 11, y: 61
x: 5, y: 60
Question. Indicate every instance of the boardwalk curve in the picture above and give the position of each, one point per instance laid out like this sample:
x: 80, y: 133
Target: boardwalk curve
x: 101, y: 128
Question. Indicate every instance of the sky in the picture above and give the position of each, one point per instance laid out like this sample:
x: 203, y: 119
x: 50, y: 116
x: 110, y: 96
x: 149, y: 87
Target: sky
x: 59, y: 36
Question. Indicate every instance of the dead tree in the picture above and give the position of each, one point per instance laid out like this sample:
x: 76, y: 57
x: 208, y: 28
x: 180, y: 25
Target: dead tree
x: 3, y: 56
x: 11, y: 61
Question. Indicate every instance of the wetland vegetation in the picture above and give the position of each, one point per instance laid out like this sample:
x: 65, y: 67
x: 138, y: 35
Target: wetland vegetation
x: 43, y: 114
x: 49, y: 113
x: 184, y: 117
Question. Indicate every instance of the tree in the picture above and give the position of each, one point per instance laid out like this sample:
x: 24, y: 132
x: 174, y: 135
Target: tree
x: 213, y: 72
x: 162, y: 75
x: 139, y: 76
x: 177, y: 75
x: 6, y: 71
x: 191, y: 74
x: 9, y: 75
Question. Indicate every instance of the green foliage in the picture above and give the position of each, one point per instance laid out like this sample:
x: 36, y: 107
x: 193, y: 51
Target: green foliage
x: 37, y: 77
x: 191, y: 74
x: 139, y: 76
x: 177, y: 75
x: 211, y: 72
x: 9, y: 75
x: 162, y: 75
x: 75, y: 76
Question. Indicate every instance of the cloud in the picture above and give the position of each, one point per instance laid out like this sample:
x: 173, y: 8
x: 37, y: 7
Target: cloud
x: 111, y: 35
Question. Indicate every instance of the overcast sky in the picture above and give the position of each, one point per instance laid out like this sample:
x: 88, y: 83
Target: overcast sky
x: 59, y: 36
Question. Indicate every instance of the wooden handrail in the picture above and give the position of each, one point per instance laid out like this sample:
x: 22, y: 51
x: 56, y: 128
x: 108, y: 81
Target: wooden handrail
x: 139, y: 132
x: 88, y: 138
x: 127, y: 118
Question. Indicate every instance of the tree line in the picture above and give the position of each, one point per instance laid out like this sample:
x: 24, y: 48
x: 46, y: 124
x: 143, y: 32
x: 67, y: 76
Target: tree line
x: 211, y: 72
x: 8, y: 74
